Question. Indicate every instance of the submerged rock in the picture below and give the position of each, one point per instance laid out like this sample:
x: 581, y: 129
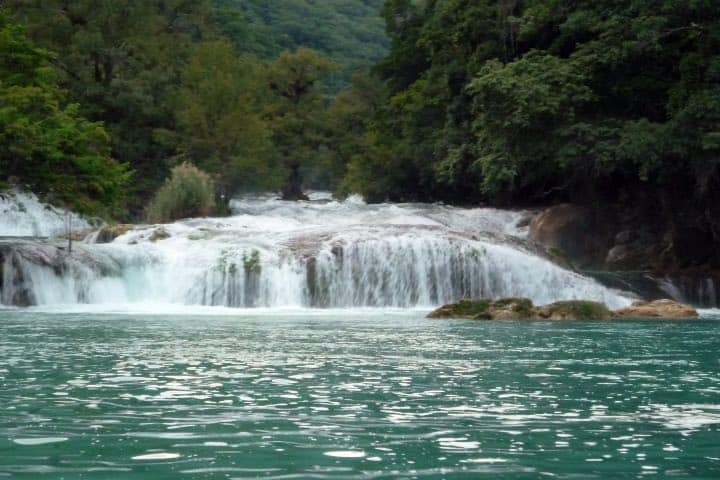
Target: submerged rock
x: 657, y: 309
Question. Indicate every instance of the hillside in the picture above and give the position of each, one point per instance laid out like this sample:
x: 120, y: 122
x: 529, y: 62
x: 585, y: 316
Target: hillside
x: 351, y: 32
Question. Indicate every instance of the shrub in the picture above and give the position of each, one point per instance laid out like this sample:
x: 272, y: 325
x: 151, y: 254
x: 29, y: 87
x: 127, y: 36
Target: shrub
x: 189, y: 192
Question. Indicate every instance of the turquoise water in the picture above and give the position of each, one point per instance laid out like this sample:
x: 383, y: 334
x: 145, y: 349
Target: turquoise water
x: 355, y: 396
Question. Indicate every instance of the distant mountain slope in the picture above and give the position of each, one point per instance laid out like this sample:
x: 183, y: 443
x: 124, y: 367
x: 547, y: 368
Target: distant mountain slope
x: 351, y: 32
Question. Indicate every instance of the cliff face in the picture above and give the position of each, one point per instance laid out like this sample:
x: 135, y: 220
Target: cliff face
x: 623, y: 238
x: 646, y: 253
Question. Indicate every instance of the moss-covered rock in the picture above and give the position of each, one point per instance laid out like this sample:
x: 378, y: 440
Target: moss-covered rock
x: 574, y: 310
x: 472, y: 309
x: 503, y: 309
x: 523, y: 309
x: 512, y: 309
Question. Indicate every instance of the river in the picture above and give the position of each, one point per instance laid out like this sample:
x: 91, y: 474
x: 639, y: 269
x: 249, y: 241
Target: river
x: 289, y: 341
x: 349, y: 395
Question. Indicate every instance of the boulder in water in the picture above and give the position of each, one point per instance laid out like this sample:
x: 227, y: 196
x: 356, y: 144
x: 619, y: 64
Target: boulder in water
x: 657, y: 309
x: 109, y: 233
x: 523, y: 309
x: 563, y: 230
x: 159, y: 234
x: 503, y: 309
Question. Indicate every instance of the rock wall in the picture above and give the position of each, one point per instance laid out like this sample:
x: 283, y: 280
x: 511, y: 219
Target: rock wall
x: 661, y: 258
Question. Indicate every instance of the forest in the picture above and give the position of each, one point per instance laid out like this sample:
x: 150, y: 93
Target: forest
x: 503, y: 102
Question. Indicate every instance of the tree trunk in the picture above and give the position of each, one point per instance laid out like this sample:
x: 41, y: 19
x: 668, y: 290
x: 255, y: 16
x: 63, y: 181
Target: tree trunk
x: 293, y: 190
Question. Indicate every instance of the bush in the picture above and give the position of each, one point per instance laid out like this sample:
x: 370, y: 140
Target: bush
x: 189, y: 192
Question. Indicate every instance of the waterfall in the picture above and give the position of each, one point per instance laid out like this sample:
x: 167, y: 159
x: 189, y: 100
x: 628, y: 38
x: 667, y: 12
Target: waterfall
x: 320, y: 254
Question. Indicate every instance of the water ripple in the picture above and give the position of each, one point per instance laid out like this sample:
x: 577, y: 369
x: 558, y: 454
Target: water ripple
x: 364, y: 397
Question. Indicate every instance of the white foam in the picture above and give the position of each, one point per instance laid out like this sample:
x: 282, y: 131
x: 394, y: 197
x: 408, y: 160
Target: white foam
x: 345, y: 454
x: 39, y: 441
x: 24, y: 215
x: 157, y: 456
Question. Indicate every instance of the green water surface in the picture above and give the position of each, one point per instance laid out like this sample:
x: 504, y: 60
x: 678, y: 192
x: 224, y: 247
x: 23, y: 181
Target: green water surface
x: 355, y: 396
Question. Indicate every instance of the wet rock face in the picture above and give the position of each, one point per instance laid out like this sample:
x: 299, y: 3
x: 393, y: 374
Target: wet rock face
x: 571, y: 233
x: 623, y: 237
x: 657, y: 309
x: 13, y: 289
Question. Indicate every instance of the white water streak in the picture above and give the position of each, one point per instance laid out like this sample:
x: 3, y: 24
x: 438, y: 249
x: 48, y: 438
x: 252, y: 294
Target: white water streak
x: 23, y: 215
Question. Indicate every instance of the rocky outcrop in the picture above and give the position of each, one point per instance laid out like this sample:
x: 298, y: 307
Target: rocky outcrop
x: 13, y: 289
x: 657, y: 309
x: 571, y: 234
x: 632, y: 235
x: 523, y: 309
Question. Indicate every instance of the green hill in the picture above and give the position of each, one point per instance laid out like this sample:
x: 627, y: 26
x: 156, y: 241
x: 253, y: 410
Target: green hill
x: 351, y: 32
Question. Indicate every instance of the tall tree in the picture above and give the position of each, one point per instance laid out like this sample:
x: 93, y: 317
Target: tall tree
x: 221, y: 128
x: 295, y: 113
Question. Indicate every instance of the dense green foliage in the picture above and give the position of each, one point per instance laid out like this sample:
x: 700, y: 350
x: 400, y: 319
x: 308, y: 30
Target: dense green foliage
x: 46, y: 143
x: 350, y: 32
x: 220, y: 119
x: 122, y: 61
x: 169, y: 87
x: 189, y: 192
x: 545, y: 100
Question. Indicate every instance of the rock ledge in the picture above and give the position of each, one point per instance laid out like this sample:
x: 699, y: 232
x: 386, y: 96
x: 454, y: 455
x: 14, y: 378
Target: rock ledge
x: 657, y: 309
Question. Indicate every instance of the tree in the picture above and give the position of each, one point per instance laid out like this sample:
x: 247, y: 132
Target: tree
x: 295, y: 113
x: 46, y: 143
x: 221, y: 128
x: 349, y: 32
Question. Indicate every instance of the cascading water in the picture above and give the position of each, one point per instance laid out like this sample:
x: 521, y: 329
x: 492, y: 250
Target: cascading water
x: 321, y: 253
x: 23, y: 215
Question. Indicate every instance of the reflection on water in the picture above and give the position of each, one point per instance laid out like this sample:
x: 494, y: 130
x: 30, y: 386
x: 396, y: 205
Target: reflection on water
x: 91, y: 396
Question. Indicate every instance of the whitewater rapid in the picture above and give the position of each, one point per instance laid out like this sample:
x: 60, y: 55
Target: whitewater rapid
x: 282, y: 255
